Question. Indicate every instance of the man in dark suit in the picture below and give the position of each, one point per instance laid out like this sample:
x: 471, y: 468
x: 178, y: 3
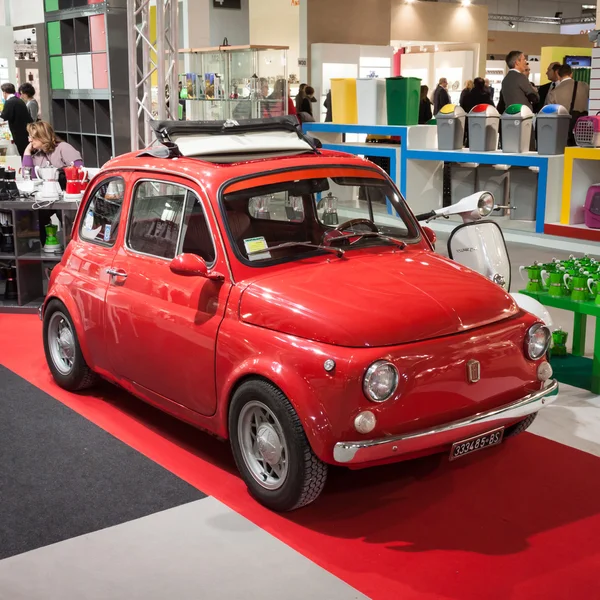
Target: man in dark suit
x: 544, y: 90
x: 516, y: 88
x: 440, y: 96
x: 18, y: 117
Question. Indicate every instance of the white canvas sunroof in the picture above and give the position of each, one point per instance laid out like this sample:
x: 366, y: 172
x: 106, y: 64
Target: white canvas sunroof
x: 262, y: 142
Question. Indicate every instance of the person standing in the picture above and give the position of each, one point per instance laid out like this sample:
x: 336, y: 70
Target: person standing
x: 328, y: 108
x: 27, y: 93
x: 300, y: 96
x: 305, y: 114
x: 516, y: 88
x: 16, y: 114
x: 477, y: 95
x: 489, y: 89
x: 440, y: 96
x: 573, y: 95
x: 544, y: 90
x: 468, y: 87
x: 425, y: 114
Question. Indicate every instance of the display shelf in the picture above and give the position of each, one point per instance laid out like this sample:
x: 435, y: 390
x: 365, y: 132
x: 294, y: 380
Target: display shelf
x: 577, y: 232
x: 581, y: 311
x: 40, y: 255
x: 215, y: 76
x: 581, y: 170
x: 85, y: 42
x: 31, y: 261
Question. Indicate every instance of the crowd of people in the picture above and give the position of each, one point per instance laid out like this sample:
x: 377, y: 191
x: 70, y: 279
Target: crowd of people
x: 517, y: 88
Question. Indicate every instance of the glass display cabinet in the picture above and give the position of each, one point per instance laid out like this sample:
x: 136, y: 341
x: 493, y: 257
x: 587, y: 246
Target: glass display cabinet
x: 233, y: 82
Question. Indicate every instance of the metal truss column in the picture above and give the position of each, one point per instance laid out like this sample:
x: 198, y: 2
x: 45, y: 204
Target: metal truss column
x: 148, y: 57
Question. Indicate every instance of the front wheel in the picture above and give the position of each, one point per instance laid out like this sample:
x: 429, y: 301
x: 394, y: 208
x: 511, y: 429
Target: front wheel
x: 63, y: 354
x: 271, y: 449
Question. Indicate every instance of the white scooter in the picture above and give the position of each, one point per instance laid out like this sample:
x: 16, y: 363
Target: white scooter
x: 480, y: 245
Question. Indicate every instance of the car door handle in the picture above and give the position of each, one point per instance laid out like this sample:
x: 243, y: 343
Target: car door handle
x: 117, y: 273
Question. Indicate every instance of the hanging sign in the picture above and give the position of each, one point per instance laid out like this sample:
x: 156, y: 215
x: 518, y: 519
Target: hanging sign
x: 227, y: 4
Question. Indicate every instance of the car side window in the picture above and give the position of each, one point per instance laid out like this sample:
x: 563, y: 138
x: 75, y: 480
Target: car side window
x: 102, y: 215
x: 196, y: 237
x: 155, y: 218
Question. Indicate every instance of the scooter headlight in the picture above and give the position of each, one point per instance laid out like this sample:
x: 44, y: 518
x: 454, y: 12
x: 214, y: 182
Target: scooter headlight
x: 486, y: 204
x: 537, y: 341
x: 381, y: 381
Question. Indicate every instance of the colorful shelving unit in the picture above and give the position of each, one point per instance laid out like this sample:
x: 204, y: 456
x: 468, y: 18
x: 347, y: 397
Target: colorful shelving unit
x: 582, y: 169
x: 89, y: 80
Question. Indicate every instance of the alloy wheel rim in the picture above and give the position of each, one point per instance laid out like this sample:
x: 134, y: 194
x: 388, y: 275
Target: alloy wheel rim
x: 61, y: 343
x: 263, y: 445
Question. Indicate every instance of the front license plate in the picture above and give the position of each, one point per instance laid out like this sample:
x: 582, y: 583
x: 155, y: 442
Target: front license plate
x: 479, y: 442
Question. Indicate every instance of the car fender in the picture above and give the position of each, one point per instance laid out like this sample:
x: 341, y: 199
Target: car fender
x: 61, y: 293
x: 297, y: 389
x: 534, y: 307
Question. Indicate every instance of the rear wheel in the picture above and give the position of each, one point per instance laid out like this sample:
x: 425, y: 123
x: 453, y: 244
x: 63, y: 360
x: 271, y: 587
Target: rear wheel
x: 519, y: 427
x: 63, y: 354
x: 271, y: 449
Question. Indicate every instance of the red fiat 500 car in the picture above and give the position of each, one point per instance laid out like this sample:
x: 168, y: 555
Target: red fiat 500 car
x: 286, y: 299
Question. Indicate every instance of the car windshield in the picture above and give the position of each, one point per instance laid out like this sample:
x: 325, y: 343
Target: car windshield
x: 297, y: 215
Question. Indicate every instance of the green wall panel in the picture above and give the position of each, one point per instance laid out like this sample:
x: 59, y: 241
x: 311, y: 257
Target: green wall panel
x: 54, y: 42
x: 57, y: 78
x: 51, y: 5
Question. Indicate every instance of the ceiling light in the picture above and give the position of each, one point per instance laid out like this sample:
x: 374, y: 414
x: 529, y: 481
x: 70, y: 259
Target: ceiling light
x: 511, y: 24
x: 436, y: 48
x: 466, y: 2
x: 410, y: 1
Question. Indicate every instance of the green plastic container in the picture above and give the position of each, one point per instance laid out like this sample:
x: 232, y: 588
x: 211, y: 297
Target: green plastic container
x: 403, y: 95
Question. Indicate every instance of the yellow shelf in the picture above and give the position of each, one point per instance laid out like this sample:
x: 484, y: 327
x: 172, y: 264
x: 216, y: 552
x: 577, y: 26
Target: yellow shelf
x: 578, y: 180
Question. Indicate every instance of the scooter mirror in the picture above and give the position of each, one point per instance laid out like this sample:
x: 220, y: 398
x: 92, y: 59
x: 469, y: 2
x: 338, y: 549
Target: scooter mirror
x: 480, y: 246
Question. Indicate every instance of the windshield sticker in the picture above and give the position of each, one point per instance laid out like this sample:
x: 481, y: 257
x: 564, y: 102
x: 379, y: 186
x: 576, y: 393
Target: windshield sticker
x: 257, y: 245
x: 107, y: 233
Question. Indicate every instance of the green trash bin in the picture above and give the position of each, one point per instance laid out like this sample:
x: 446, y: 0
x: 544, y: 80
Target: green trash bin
x: 403, y: 95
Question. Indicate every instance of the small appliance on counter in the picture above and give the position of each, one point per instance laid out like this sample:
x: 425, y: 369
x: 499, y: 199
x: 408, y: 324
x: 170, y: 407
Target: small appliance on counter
x: 7, y: 244
x: 484, y: 124
x: 592, y: 207
x: 52, y: 244
x: 587, y: 132
x: 8, y: 184
x: 50, y: 186
x: 9, y: 274
x: 76, y: 176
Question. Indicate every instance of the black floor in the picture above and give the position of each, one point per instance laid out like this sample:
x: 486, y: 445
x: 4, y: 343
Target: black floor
x: 61, y: 476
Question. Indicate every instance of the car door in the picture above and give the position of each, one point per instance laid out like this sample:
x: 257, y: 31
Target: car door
x: 90, y: 255
x: 162, y: 327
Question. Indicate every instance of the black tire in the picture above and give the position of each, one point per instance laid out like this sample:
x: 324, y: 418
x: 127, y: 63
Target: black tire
x: 81, y: 376
x: 519, y: 427
x: 306, y: 474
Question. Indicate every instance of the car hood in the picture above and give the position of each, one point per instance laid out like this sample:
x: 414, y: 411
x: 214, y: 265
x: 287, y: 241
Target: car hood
x: 375, y: 300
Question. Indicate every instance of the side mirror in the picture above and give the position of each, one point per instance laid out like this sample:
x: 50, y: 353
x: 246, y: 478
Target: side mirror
x: 430, y: 235
x: 191, y: 265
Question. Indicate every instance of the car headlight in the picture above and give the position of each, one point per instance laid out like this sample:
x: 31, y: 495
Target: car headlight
x: 537, y: 341
x: 486, y: 204
x: 381, y: 381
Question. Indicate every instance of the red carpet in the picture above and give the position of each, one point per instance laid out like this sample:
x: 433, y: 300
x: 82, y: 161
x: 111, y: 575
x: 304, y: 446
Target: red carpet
x: 520, y: 521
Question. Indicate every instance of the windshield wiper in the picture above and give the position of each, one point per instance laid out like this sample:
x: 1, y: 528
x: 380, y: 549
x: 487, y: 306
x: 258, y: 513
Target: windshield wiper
x: 337, y: 251
x: 349, y: 236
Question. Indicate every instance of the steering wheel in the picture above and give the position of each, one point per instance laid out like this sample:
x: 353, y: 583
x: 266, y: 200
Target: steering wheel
x: 353, y: 222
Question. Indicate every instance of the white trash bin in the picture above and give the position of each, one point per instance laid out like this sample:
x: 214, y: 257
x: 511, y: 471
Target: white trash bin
x: 371, y: 98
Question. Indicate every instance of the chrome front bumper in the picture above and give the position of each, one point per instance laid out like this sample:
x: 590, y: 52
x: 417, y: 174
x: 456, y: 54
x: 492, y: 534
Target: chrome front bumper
x: 387, y: 448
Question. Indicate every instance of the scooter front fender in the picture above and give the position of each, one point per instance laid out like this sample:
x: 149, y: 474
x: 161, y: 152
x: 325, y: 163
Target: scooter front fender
x: 534, y: 307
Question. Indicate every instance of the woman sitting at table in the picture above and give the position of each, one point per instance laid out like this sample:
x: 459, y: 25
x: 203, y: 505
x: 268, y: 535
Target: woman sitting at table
x: 44, y: 147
